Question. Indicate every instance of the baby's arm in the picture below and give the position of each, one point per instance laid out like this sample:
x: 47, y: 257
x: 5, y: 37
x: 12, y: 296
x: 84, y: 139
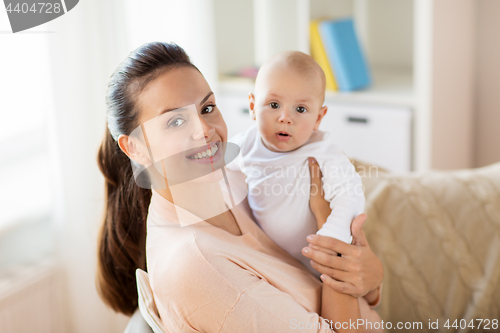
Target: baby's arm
x: 344, y: 190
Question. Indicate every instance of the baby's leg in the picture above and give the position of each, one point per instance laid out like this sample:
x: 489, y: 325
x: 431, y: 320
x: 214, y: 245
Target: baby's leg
x: 369, y: 315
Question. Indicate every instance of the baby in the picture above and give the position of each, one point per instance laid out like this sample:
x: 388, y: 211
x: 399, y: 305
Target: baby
x: 288, y: 106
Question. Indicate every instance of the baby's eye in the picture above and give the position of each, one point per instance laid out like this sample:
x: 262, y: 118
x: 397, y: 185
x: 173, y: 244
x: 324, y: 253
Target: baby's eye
x: 301, y: 109
x: 176, y: 122
x: 274, y: 105
x: 208, y: 109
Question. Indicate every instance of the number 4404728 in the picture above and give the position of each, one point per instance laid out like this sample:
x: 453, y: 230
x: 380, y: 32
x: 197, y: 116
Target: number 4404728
x: 40, y: 7
x: 484, y: 324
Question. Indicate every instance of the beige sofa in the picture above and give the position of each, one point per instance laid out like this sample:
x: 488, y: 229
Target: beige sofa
x: 438, y: 236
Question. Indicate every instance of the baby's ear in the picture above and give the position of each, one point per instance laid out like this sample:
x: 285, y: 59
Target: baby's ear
x: 251, y: 105
x: 321, y: 114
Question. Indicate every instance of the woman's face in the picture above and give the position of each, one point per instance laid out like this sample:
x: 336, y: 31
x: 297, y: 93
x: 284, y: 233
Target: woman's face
x: 181, y: 125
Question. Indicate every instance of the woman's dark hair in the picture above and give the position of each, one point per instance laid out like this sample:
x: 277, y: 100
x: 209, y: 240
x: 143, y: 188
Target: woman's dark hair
x: 122, y: 236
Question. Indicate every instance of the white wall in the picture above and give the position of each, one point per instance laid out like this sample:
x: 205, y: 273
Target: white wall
x: 472, y: 101
x: 453, y: 84
x: 487, y: 133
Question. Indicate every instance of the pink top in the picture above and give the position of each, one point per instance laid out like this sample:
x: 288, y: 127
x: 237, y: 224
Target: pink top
x: 205, y: 279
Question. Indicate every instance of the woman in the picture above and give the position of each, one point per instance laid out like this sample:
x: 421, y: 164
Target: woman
x: 211, y: 268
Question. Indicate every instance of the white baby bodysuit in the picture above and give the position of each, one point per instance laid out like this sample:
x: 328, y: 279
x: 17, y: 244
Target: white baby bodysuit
x: 279, y: 185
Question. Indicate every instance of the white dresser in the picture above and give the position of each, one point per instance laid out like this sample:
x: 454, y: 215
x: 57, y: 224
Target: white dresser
x: 375, y: 134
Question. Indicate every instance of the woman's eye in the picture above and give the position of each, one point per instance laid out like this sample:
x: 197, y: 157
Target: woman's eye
x: 274, y: 105
x: 208, y: 109
x: 176, y: 122
x: 301, y: 109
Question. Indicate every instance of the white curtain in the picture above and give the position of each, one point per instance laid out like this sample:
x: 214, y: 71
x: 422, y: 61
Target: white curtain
x: 85, y: 46
x: 189, y: 23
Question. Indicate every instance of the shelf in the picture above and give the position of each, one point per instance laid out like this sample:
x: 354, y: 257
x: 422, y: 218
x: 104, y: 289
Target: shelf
x: 391, y: 86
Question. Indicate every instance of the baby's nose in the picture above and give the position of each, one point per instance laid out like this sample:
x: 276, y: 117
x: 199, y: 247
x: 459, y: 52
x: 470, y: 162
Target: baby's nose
x: 285, y: 117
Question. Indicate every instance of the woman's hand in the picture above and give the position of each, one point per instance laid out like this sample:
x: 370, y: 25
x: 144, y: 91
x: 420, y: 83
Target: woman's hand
x: 358, y: 272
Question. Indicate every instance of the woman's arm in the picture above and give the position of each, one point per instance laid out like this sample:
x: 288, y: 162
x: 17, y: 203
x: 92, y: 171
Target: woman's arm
x: 231, y: 300
x: 341, y: 309
x: 358, y: 272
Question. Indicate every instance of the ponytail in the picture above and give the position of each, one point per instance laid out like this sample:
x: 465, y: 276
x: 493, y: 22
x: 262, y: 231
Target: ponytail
x: 123, y: 234
x: 122, y: 237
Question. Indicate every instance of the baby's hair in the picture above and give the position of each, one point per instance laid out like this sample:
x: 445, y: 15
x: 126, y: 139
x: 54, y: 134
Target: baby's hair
x: 300, y: 62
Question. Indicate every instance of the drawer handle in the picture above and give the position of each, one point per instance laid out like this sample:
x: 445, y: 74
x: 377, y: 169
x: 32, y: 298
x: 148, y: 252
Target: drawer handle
x: 357, y: 120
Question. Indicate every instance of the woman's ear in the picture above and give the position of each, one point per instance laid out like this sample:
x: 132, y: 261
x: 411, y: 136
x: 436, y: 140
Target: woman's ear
x: 251, y: 105
x: 321, y: 114
x: 131, y: 149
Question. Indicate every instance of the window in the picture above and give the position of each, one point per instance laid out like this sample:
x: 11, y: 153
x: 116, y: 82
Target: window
x: 25, y: 101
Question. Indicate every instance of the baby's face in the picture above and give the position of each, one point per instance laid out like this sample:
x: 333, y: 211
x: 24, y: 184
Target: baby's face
x: 287, y: 107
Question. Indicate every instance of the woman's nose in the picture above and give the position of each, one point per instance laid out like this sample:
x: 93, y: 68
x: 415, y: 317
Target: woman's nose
x: 285, y: 117
x: 204, y: 130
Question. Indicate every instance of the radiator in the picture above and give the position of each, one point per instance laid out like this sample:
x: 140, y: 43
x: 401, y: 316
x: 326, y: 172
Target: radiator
x: 31, y: 299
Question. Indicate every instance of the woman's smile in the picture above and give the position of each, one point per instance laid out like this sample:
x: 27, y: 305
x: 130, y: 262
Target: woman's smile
x: 206, y: 154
